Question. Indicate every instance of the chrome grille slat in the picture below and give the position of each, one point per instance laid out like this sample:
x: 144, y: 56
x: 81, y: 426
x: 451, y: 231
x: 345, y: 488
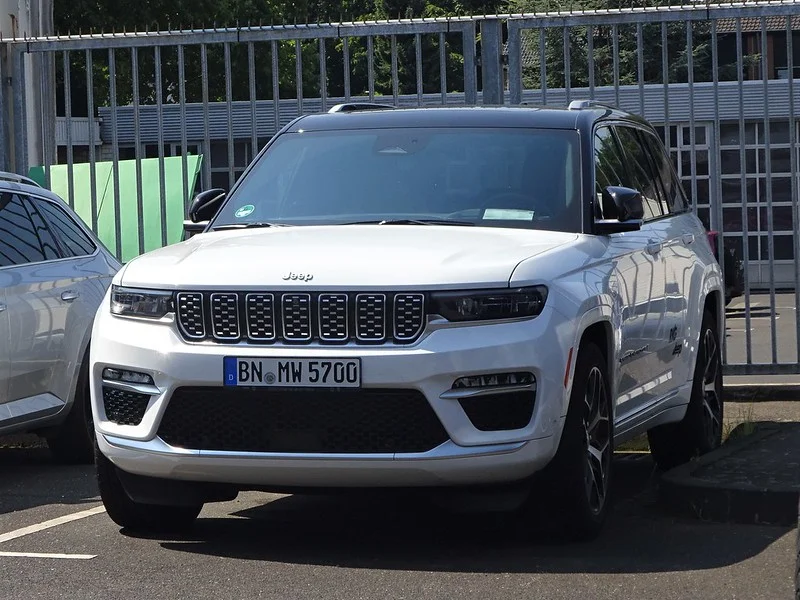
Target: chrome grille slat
x: 333, y: 321
x: 293, y: 317
x: 296, y: 311
x: 225, y: 316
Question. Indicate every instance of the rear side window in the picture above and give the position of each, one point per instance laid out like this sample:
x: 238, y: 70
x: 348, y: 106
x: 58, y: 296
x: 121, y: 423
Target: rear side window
x: 74, y: 241
x: 673, y: 193
x: 24, y: 237
x: 640, y: 171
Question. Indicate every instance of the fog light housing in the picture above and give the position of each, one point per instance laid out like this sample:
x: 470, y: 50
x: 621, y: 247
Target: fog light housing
x: 494, y: 380
x: 122, y: 375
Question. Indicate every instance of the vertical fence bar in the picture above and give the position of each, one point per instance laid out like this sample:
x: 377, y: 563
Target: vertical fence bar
x: 298, y: 74
x: 715, y: 198
x: 162, y: 179
x: 370, y: 68
x: 665, y: 79
x: 251, y: 84
x: 92, y: 158
x: 543, y: 64
x: 590, y: 57
x: 418, y: 57
x: 184, y: 140
x: 768, y: 169
x: 4, y: 144
x: 68, y: 122
x: 206, y: 126
x: 443, y: 67
x: 346, y: 62
x: 276, y: 90
x: 567, y: 65
x: 615, y: 51
x: 20, y: 118
x: 743, y: 176
x: 491, y: 58
x: 640, y: 66
x: 112, y: 93
x: 137, y: 135
x: 470, y: 73
x: 794, y: 185
x: 690, y: 81
x: 323, y: 74
x: 395, y: 79
x: 226, y: 48
x: 46, y: 135
x: 514, y: 63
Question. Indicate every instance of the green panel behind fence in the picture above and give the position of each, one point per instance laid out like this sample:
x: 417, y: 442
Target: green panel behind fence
x: 130, y: 223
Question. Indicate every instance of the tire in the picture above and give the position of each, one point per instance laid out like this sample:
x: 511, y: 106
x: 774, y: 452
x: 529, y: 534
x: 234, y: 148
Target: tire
x: 577, y: 482
x: 700, y: 431
x: 136, y: 516
x: 73, y: 441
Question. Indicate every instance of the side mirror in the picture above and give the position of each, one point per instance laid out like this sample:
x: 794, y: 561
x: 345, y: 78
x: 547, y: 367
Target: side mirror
x: 206, y: 204
x: 626, y: 205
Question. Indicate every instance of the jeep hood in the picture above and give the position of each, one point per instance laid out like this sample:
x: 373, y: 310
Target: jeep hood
x: 343, y: 257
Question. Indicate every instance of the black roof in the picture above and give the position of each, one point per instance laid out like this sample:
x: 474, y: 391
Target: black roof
x: 483, y: 116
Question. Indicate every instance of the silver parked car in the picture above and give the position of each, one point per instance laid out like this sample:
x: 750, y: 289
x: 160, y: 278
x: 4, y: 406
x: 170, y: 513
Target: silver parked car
x: 53, y: 276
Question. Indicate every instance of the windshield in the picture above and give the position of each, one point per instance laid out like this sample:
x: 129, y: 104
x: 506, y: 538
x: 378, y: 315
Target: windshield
x: 523, y: 178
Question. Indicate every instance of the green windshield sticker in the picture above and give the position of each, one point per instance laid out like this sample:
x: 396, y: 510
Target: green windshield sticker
x: 507, y: 214
x: 244, y: 211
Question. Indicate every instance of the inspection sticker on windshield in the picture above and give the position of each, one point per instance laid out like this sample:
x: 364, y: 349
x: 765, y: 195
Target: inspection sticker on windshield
x: 244, y: 211
x: 507, y: 214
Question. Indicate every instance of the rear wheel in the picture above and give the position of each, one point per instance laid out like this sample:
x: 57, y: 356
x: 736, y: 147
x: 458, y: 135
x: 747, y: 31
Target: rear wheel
x: 73, y: 441
x: 576, y: 485
x: 700, y: 431
x: 136, y: 516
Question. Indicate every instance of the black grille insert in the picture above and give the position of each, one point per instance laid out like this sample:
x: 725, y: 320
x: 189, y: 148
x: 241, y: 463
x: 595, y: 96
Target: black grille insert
x: 123, y: 407
x: 500, y: 412
x: 301, y: 420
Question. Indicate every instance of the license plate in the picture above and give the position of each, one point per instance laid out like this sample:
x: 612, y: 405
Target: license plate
x: 292, y: 372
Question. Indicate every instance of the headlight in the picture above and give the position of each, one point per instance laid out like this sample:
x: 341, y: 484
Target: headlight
x: 490, y: 304
x: 140, y: 303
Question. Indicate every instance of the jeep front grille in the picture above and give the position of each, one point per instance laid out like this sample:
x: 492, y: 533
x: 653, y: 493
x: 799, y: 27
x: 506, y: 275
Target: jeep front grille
x: 326, y: 318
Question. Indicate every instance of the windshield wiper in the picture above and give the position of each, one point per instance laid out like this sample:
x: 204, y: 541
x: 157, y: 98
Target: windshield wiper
x: 412, y: 222
x: 253, y: 225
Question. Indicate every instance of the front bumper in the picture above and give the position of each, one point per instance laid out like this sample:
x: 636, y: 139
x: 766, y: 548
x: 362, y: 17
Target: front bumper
x: 430, y: 366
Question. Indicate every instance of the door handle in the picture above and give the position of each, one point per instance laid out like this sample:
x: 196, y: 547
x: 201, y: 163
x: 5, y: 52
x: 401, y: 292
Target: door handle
x: 70, y: 296
x: 687, y: 238
x: 653, y: 248
x: 3, y: 307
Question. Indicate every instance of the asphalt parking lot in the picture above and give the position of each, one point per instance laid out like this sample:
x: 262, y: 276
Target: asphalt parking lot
x: 761, y: 309
x: 268, y: 546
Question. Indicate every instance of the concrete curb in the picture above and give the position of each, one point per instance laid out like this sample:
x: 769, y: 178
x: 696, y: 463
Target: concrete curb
x: 763, y: 392
x: 680, y: 490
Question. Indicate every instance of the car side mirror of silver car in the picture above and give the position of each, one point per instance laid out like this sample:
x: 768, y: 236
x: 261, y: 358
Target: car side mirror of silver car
x: 623, y: 210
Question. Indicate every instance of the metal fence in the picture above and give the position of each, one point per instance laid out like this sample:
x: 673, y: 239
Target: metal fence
x: 715, y: 80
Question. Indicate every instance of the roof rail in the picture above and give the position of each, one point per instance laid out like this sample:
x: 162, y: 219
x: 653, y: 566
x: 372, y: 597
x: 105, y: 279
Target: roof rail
x: 6, y: 176
x: 583, y: 104
x: 347, y: 107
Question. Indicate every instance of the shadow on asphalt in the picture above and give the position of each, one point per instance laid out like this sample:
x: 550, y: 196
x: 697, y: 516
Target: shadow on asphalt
x: 396, y: 533
x: 29, y: 477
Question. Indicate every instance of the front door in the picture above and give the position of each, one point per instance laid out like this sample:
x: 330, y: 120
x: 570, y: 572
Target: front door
x: 4, y: 365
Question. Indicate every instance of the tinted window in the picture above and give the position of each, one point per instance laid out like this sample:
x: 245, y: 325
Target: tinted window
x: 490, y: 177
x: 74, y: 241
x: 609, y: 169
x: 673, y: 193
x: 22, y: 240
x: 639, y: 171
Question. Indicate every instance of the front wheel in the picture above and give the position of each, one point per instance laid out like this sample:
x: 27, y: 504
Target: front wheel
x: 136, y: 516
x: 700, y: 431
x: 576, y: 485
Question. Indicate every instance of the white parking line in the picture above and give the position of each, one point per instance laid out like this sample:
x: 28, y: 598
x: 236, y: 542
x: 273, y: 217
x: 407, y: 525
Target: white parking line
x: 18, y: 533
x: 45, y: 555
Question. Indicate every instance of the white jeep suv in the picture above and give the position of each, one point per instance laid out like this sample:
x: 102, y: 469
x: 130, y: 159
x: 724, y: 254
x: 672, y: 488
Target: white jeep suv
x: 426, y: 298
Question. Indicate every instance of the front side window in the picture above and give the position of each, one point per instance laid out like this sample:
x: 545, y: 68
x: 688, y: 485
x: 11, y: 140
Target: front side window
x: 24, y: 238
x: 673, y: 193
x: 72, y: 237
x: 640, y: 172
x: 524, y: 178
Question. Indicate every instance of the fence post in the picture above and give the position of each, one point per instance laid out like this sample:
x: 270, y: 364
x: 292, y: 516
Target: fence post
x: 469, y: 40
x: 20, y: 119
x: 492, y: 61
